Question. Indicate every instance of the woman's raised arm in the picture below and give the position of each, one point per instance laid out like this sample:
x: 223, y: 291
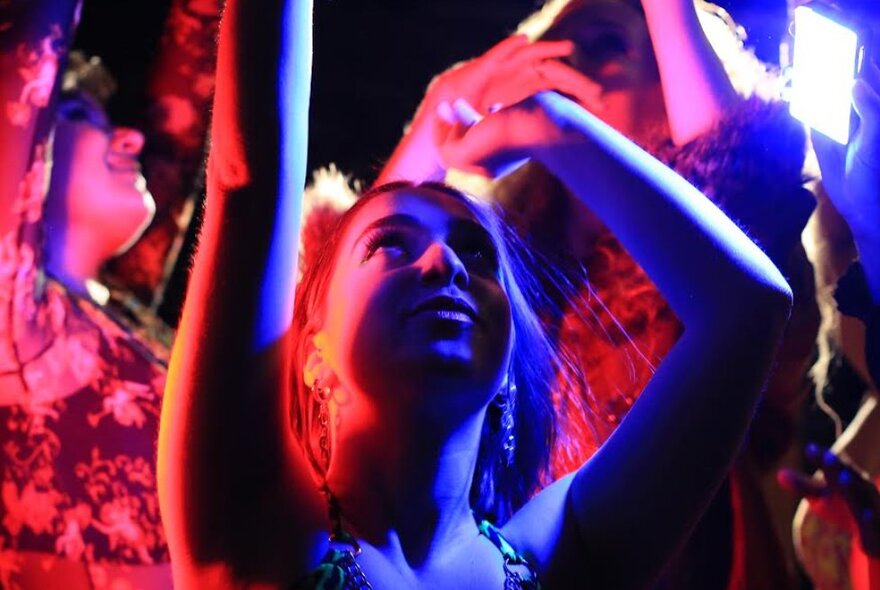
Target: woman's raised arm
x: 628, y: 509
x: 696, y: 89
x: 237, y: 499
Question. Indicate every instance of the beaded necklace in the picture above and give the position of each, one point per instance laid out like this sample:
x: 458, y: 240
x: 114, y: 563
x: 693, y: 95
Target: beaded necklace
x: 340, y: 570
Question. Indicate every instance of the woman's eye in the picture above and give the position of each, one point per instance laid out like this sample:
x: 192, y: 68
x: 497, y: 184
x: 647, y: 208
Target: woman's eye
x: 78, y: 113
x: 474, y: 253
x: 479, y: 255
x: 390, y: 242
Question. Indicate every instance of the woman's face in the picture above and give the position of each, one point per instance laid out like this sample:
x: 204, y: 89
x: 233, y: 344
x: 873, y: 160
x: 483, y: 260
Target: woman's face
x: 97, y: 176
x: 613, y: 48
x: 416, y: 303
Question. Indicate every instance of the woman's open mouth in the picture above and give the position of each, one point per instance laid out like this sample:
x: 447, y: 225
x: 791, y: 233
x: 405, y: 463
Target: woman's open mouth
x: 447, y: 308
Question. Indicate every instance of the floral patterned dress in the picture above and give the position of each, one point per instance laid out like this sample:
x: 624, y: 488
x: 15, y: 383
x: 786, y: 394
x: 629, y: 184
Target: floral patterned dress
x: 78, y: 425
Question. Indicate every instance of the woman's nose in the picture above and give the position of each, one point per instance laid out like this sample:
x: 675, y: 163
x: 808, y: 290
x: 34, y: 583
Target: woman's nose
x: 127, y: 141
x: 441, y: 265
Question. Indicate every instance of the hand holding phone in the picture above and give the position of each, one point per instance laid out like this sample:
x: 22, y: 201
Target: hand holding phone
x: 828, y: 52
x: 851, y: 172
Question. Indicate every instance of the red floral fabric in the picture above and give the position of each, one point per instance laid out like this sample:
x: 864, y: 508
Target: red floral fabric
x: 77, y: 435
x: 80, y: 387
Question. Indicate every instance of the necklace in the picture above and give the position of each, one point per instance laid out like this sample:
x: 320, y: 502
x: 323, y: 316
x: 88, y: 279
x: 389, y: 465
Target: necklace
x: 340, y: 570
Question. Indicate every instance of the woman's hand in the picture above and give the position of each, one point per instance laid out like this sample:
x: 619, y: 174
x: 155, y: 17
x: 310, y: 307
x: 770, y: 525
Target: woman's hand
x: 851, y: 173
x: 841, y: 494
x: 494, y: 145
x: 508, y: 73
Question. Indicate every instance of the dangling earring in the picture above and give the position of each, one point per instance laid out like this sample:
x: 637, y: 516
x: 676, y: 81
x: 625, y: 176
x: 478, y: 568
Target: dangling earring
x: 342, y: 564
x: 322, y: 397
x: 507, y: 404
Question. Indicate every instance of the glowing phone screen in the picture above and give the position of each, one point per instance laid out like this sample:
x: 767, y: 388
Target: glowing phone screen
x: 824, y: 70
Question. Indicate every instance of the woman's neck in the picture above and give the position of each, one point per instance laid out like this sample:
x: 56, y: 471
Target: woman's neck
x: 402, y: 483
x: 75, y: 259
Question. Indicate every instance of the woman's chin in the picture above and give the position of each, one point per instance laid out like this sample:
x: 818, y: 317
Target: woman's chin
x: 146, y: 212
x: 446, y: 355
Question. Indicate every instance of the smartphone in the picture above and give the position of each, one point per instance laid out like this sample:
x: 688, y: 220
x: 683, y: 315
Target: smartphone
x: 827, y: 56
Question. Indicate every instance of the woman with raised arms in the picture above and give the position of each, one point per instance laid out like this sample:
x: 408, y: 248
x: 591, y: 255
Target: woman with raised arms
x: 403, y: 404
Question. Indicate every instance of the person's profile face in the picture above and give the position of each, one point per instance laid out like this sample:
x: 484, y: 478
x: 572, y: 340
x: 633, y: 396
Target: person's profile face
x: 97, y: 174
x: 416, y: 298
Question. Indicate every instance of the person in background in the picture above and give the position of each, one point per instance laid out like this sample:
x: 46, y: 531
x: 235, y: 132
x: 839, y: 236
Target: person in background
x: 82, y: 373
x: 837, y: 529
x: 179, y: 91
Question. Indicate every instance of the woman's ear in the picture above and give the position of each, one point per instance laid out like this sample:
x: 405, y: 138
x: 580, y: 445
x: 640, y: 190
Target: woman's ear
x: 315, y: 363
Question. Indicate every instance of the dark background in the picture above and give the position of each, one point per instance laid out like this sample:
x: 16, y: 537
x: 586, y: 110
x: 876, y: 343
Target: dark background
x: 373, y: 59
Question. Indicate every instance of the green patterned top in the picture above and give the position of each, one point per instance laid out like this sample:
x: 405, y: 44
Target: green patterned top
x: 339, y: 570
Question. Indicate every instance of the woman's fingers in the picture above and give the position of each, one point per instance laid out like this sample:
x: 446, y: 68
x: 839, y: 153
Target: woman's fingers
x: 840, y: 494
x: 458, y: 112
x: 468, y: 149
x: 476, y: 79
x: 823, y: 503
x: 511, y: 55
x: 863, y: 502
x: 537, y: 52
x: 814, y: 455
x: 801, y: 485
x: 445, y: 112
x: 519, y: 75
x: 479, y: 148
x: 866, y: 101
x: 567, y: 80
x: 538, y: 77
x: 506, y: 48
x: 832, y: 164
x: 503, y: 140
x: 859, y: 494
x: 857, y: 490
x: 465, y: 113
x: 831, y: 466
x: 870, y: 73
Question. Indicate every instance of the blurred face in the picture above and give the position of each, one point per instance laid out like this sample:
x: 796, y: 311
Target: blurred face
x: 416, y: 303
x: 96, y: 175
x: 613, y: 48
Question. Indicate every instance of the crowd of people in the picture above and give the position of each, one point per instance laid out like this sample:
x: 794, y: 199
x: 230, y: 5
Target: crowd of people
x: 567, y: 338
